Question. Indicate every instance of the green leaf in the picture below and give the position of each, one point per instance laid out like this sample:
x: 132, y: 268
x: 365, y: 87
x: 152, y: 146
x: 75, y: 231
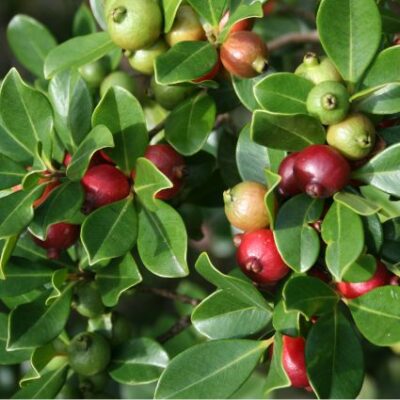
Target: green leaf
x: 373, y: 234
x: 297, y: 242
x: 284, y: 321
x: 62, y: 205
x: 83, y: 23
x: 149, y: 180
x: 286, y: 132
x: 342, y: 231
x: 382, y: 171
x: 16, y: 210
x: 73, y: 106
x: 97, y: 7
x: 120, y: 275
x: 188, y: 126
x: 350, y: 33
x: 309, y: 295
x: 98, y: 138
x: 244, y: 91
x: 184, y: 62
x: 284, y: 93
x: 380, y: 100
x: 122, y: 114
x: 357, y: 203
x: 271, y: 203
x: 242, y: 289
x: 213, y: 370
x: 30, y: 41
x: 7, y: 247
x: 110, y: 231
x: 35, y: 324
x: 9, y: 357
x: 211, y: 11
x: 384, y: 68
x: 138, y: 362
x: 334, y: 358
x: 377, y: 315
x: 11, y: 172
x: 58, y: 279
x: 223, y: 316
x: 170, y: 7
x: 162, y: 241
x: 390, y: 22
x: 362, y: 269
x: 77, y: 52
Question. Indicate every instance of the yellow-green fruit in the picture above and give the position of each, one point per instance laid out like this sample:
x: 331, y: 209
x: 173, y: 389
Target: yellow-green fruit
x: 354, y: 137
x: 143, y: 60
x: 133, y: 24
x: 121, y: 79
x: 186, y: 27
x: 94, y: 73
x: 245, y: 206
x: 318, y: 69
x: 88, y: 300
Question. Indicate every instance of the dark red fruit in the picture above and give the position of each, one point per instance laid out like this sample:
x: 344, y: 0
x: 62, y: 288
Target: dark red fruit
x: 104, y: 184
x: 67, y: 159
x: 171, y: 164
x: 321, y: 171
x: 288, y: 185
x: 258, y: 257
x: 269, y: 7
x: 244, y: 54
x: 105, y: 157
x: 209, y: 76
x: 243, y: 25
x: 351, y: 290
x: 293, y: 361
x: 59, y: 237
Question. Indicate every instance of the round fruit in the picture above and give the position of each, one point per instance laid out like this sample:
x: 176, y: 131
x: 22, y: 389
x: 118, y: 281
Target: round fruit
x: 288, y: 185
x: 269, y: 7
x: 121, y: 79
x: 317, y: 69
x: 321, y: 171
x: 244, y: 54
x: 258, y: 257
x: 104, y: 184
x: 186, y: 27
x: 169, y: 96
x: 133, y: 24
x: 293, y: 361
x: 94, y: 73
x: 59, y: 237
x: 209, y: 76
x: 171, y: 164
x: 89, y: 353
x: 121, y: 329
x: 245, y: 206
x: 89, y: 385
x: 351, y: 290
x: 88, y: 300
x: 46, y: 193
x: 143, y: 60
x: 354, y: 137
x: 328, y: 101
x: 243, y: 25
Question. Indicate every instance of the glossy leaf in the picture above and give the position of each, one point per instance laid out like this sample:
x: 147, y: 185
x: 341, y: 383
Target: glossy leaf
x: 350, y: 33
x: 120, y: 275
x: 30, y: 41
x: 373, y: 234
x: 138, y: 362
x: 377, y: 315
x: 7, y: 247
x: 77, y: 52
x: 110, y: 231
x: 84, y: 22
x: 11, y: 172
x: 211, y: 11
x: 357, y: 203
x: 170, y: 7
x: 97, y: 7
x: 283, y: 93
x: 122, y: 114
x: 297, y: 242
x: 286, y: 132
x: 362, y: 269
x: 188, y: 126
x: 206, y: 365
x: 244, y: 91
x: 284, y: 321
x: 162, y: 241
x: 343, y: 233
x: 271, y: 203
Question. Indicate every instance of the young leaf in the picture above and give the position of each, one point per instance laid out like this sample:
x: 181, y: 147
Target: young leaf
x: 350, y: 33
x: 77, y: 52
x: 30, y: 41
x: 162, y: 241
x: 212, y: 370
x: 286, y: 132
x: 211, y: 11
x: 170, y: 7
x: 334, y: 358
x: 284, y: 93
x: 11, y: 172
x: 297, y: 242
x: 120, y: 275
x: 138, y: 362
x: 188, y: 126
x: 122, y: 114
x: 110, y: 231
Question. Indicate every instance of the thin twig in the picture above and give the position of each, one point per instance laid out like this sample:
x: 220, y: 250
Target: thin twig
x: 171, y: 295
x: 175, y: 330
x: 158, y: 128
x: 293, y: 38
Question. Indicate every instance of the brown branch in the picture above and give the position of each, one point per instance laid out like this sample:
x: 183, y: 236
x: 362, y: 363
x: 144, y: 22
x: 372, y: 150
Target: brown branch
x: 293, y: 38
x: 175, y: 330
x: 171, y: 295
x: 158, y: 128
